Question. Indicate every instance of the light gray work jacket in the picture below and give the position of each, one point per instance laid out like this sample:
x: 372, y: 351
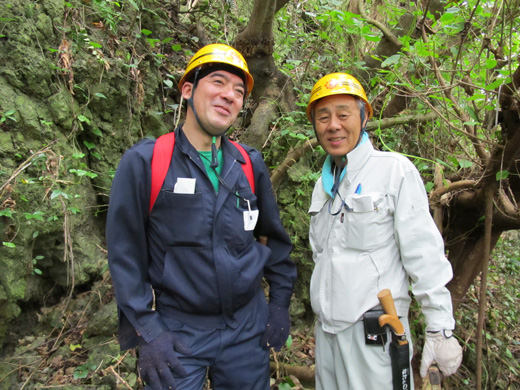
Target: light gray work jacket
x: 382, y: 237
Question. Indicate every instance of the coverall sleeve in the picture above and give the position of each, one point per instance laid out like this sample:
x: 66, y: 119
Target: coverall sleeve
x: 280, y: 270
x: 128, y: 252
x: 422, y: 252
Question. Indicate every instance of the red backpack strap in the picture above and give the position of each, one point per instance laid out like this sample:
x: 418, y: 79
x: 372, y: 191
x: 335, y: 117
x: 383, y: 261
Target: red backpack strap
x: 247, y: 167
x: 161, y: 158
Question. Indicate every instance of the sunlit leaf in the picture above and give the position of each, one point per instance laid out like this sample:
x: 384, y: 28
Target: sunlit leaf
x: 501, y: 175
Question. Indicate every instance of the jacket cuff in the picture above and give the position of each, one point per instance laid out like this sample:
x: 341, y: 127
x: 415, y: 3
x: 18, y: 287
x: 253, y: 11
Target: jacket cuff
x: 152, y: 330
x: 280, y: 300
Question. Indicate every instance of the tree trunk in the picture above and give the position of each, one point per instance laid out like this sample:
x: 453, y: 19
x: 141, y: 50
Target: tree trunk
x: 273, y: 90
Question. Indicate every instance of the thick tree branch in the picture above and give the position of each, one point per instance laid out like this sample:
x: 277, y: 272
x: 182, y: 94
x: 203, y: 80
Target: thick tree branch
x: 257, y: 37
x: 507, y: 207
x: 280, y: 4
x: 386, y: 31
x: 292, y: 157
x: 452, y: 187
x: 483, y: 279
x: 403, y: 120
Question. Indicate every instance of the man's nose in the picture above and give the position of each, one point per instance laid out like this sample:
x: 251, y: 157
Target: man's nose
x: 334, y: 123
x: 228, y: 92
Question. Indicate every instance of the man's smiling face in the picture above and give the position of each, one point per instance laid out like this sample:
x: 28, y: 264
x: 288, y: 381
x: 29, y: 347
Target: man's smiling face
x: 218, y: 100
x: 338, y: 124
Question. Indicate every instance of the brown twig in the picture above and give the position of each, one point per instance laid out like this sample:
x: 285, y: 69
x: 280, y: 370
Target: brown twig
x: 111, y: 369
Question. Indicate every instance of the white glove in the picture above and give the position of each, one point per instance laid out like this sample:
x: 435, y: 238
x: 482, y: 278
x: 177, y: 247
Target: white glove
x: 442, y: 348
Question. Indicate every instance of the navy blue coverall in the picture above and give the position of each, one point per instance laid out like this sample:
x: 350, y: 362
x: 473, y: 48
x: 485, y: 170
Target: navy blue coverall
x: 192, y: 257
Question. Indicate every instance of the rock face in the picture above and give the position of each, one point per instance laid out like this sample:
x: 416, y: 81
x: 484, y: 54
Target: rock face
x: 73, y: 97
x: 80, y: 82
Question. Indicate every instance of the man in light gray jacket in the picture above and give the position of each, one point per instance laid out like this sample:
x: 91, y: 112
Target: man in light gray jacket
x: 370, y: 230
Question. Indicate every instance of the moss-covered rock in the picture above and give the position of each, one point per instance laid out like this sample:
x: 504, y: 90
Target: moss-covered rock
x: 74, y: 108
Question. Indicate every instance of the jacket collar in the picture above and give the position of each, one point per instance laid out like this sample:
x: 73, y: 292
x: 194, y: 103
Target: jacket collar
x: 225, y: 145
x: 356, y: 159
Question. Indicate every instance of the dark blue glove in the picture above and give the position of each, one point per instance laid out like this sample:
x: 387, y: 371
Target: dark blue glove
x: 277, y: 329
x: 157, y: 360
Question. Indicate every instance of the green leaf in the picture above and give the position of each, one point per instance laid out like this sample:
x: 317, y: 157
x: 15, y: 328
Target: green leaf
x: 477, y: 96
x: 82, y: 172
x: 38, y: 215
x: 422, y: 166
x: 73, y: 347
x: 372, y: 38
x: 465, y: 163
x: 97, y: 132
x: 7, y: 213
x: 134, y: 4
x: 146, y: 32
x: 100, y: 95
x: 83, y: 118
x: 447, y: 17
x: 80, y: 373
x: 453, y: 160
x: 153, y: 41
x: 168, y: 83
x: 89, y: 145
x: 95, y: 45
x: 57, y: 193
x: 495, y: 84
x: 491, y: 63
x: 289, y: 341
x: 502, y: 175
x: 9, y: 244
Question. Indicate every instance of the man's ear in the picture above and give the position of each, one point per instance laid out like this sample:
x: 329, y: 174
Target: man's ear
x: 187, y: 89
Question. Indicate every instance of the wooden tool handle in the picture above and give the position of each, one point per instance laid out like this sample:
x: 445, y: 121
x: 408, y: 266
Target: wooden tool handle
x: 386, y: 300
x: 390, y: 318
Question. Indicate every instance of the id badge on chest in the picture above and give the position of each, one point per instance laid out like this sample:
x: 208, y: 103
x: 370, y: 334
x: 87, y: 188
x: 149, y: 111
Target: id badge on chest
x: 250, y: 218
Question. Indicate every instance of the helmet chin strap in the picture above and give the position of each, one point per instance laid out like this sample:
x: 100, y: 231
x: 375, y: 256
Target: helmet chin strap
x: 362, y: 117
x: 214, y: 152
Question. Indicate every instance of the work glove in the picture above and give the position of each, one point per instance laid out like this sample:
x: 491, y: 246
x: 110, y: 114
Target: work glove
x: 157, y: 360
x: 277, y: 329
x: 442, y: 348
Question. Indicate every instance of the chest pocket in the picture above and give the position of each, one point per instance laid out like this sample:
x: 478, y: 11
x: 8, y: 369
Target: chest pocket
x: 233, y: 225
x: 368, y: 222
x: 180, y: 218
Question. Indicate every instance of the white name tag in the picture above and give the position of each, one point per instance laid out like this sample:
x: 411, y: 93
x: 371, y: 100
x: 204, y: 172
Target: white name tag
x: 185, y: 185
x: 250, y: 218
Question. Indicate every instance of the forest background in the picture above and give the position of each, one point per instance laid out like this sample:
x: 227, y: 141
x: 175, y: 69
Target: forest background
x: 81, y: 81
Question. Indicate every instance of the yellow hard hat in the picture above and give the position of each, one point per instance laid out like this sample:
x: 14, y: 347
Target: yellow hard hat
x: 337, y: 84
x: 218, y: 53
